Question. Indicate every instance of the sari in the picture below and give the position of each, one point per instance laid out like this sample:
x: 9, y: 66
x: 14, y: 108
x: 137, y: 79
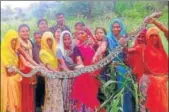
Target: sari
x: 10, y: 85
x: 121, y: 70
x: 138, y: 67
x: 27, y: 84
x: 85, y: 86
x: 67, y: 56
x: 156, y: 61
x: 53, y: 87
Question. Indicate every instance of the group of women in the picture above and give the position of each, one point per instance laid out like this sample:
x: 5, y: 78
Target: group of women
x: 61, y: 50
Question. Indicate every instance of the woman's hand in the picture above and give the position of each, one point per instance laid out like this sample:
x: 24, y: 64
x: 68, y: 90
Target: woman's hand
x: 95, y: 59
x: 149, y: 20
x: 33, y: 80
x: 122, y: 41
x: 79, y: 66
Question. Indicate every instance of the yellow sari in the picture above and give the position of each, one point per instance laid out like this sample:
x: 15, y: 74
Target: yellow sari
x: 10, y: 85
x: 46, y: 54
x: 53, y: 87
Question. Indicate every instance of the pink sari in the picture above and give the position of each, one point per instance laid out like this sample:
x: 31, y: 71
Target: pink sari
x: 85, y: 87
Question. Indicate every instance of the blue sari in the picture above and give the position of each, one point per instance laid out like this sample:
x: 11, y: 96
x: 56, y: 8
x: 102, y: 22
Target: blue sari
x: 121, y: 70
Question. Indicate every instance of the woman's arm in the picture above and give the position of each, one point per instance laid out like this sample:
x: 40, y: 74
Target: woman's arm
x: 25, y: 62
x: 161, y: 27
x: 10, y: 73
x: 151, y: 20
x: 102, y: 48
x: 131, y: 50
x: 50, y: 68
x: 63, y: 65
x: 79, y: 60
x: 27, y: 57
x: 100, y: 51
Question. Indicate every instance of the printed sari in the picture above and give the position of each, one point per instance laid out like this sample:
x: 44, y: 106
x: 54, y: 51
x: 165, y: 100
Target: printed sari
x: 68, y: 57
x: 53, y: 87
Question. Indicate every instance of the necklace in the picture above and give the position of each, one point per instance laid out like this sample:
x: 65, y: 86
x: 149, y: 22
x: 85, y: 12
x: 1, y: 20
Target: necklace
x: 26, y: 46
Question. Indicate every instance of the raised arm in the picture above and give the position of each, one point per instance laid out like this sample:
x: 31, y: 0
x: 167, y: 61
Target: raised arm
x: 158, y: 24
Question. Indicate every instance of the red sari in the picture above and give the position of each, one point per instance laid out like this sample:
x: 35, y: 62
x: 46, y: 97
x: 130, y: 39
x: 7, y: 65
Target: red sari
x: 137, y: 66
x: 85, y: 87
x: 27, y: 88
x: 156, y: 61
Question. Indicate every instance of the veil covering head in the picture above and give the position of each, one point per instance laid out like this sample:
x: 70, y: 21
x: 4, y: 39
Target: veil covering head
x: 156, y: 59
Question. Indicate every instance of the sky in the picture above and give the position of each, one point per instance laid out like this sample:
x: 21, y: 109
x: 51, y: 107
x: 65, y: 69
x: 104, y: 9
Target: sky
x: 14, y: 4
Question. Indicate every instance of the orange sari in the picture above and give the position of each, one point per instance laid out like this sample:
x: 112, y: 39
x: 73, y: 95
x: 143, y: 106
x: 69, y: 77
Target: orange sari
x: 156, y: 61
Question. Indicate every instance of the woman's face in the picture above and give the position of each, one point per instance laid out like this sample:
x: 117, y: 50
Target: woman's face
x: 100, y: 35
x: 154, y: 39
x: 24, y: 33
x: 57, y: 34
x: 81, y: 35
x: 141, y: 38
x: 14, y: 43
x: 116, y: 29
x: 49, y: 42
x: 43, y: 26
x: 67, y: 40
x: 78, y: 27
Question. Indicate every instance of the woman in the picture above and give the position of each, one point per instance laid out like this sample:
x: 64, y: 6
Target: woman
x: 10, y: 81
x: 101, y: 44
x: 115, y: 37
x: 27, y: 84
x: 53, y: 87
x: 101, y: 51
x: 136, y: 53
x: 156, y: 80
x: 81, y: 26
x: 85, y: 87
x: 66, y: 60
x: 161, y: 26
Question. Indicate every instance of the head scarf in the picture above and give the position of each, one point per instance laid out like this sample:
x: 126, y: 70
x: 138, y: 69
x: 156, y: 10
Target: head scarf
x: 44, y: 44
x: 112, y: 41
x: 143, y: 32
x: 9, y: 56
x: 46, y: 54
x: 67, y: 59
x: 61, y: 46
x: 156, y: 59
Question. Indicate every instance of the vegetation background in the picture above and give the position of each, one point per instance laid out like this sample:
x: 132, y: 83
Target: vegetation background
x: 92, y: 13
